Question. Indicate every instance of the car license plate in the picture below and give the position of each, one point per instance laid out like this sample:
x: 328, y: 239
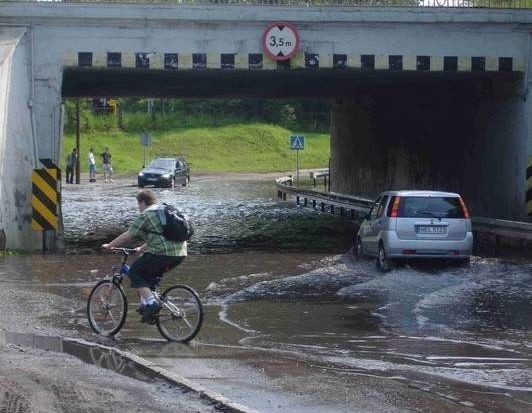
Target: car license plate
x: 431, y: 229
x: 152, y: 179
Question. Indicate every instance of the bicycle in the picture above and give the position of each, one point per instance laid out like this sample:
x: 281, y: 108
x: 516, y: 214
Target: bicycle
x: 179, y: 318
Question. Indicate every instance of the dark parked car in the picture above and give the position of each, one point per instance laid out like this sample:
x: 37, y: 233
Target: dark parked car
x: 166, y: 172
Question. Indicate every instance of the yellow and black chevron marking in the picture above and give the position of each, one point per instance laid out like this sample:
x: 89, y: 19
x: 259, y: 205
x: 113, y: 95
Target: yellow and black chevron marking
x: 529, y: 190
x: 174, y: 60
x: 45, y: 198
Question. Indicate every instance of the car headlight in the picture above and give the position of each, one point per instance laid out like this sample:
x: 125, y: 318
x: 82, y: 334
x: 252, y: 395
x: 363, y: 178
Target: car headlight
x: 141, y: 174
x: 166, y: 176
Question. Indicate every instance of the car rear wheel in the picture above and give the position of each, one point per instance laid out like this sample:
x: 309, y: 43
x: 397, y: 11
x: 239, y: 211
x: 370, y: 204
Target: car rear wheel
x: 384, y: 263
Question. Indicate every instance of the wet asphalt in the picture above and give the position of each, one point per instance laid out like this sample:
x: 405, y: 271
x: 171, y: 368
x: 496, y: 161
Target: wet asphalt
x: 292, y: 323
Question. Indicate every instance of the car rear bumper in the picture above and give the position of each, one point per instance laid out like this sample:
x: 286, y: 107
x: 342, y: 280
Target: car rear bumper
x: 449, y: 249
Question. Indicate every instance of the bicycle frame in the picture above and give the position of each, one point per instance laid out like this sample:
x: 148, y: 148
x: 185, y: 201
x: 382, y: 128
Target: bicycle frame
x: 179, y: 318
x: 119, y: 271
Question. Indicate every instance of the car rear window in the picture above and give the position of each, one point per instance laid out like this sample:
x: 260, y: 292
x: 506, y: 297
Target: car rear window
x: 428, y: 207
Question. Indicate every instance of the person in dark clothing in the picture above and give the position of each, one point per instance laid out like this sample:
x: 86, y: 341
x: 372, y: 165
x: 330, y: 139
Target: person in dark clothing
x: 107, y: 167
x: 71, y: 162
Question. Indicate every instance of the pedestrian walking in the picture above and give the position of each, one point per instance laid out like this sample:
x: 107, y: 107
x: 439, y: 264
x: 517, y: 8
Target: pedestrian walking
x: 71, y: 162
x: 107, y: 166
x: 92, y: 166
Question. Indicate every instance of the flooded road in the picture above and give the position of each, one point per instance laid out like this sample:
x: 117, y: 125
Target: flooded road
x: 292, y: 323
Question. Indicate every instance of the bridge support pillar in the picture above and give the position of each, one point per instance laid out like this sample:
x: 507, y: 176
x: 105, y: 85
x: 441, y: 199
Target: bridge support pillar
x: 468, y: 136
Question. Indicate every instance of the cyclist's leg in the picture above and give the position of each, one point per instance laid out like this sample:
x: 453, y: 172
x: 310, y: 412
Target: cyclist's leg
x: 164, y: 264
x: 138, y: 276
x: 145, y: 274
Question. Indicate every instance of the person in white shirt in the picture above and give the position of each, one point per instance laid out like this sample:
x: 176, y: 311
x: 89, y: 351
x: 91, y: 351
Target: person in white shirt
x: 92, y: 167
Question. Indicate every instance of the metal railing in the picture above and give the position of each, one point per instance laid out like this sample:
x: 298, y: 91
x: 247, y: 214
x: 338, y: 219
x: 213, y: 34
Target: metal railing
x: 490, y: 4
x: 356, y: 208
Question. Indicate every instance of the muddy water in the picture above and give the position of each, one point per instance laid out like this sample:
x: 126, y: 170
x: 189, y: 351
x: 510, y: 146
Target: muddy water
x: 232, y: 214
x: 292, y: 322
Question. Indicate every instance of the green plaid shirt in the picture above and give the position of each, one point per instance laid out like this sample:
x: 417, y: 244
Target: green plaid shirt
x: 148, y: 221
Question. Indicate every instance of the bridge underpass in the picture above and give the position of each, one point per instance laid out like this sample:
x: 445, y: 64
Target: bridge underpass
x: 390, y: 130
x: 420, y: 99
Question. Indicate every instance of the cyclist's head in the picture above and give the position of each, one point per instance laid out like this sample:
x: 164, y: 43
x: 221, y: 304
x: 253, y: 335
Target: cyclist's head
x: 146, y: 196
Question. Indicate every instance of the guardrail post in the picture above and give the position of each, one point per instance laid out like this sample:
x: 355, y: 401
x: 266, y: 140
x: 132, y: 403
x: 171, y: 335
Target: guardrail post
x: 314, y: 203
x: 305, y: 202
x: 332, y: 209
x: 322, y: 206
x: 325, y: 182
x: 297, y: 200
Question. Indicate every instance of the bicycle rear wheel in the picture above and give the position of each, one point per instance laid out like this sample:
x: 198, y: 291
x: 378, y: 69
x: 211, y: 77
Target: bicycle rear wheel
x: 107, y: 308
x: 181, y: 314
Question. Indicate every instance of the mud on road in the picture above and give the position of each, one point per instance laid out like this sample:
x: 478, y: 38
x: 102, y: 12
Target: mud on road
x: 39, y: 381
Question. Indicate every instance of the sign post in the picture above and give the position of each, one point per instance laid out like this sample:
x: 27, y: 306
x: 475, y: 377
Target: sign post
x: 297, y: 143
x: 145, y: 140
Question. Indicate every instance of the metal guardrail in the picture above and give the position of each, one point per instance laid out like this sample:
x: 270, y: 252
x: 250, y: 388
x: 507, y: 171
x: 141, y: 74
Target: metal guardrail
x: 503, y: 228
x: 490, y: 4
x: 344, y: 205
x: 357, y: 207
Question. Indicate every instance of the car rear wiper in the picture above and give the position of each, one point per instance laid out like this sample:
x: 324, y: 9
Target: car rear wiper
x: 426, y: 212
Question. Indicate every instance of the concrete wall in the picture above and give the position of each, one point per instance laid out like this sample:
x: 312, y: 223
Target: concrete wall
x: 17, y: 152
x: 467, y: 136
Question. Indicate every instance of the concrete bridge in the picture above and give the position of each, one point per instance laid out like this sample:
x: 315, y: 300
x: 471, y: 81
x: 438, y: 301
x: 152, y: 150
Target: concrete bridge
x: 422, y: 97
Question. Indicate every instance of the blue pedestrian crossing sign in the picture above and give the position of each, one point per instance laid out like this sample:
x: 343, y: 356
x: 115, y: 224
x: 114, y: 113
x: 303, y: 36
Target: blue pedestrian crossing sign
x: 297, y: 142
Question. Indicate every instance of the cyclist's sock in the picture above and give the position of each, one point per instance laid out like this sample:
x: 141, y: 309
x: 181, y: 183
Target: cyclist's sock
x: 150, y: 300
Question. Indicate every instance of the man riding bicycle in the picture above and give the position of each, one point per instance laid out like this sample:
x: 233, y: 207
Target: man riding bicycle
x: 159, y: 254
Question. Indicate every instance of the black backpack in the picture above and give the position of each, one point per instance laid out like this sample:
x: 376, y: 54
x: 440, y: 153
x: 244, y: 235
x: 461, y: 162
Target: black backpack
x: 176, y: 225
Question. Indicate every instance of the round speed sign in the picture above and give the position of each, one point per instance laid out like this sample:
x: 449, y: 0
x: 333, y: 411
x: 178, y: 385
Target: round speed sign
x: 280, y: 40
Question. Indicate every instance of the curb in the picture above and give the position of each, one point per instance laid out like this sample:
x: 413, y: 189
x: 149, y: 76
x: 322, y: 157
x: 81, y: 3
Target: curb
x: 218, y: 401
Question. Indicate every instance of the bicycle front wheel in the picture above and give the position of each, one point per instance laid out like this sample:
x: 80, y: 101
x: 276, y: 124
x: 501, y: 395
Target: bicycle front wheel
x: 107, y: 308
x: 181, y: 314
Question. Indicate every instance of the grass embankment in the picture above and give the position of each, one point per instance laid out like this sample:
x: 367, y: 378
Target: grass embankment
x: 240, y: 147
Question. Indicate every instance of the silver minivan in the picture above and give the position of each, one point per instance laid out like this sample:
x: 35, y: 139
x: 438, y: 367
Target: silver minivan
x: 415, y: 224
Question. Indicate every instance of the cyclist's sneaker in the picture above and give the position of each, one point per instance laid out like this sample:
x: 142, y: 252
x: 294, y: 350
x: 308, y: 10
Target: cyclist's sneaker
x: 149, y: 313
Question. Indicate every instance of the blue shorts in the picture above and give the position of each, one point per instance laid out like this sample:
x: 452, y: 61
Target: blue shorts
x: 148, y: 269
x: 92, y: 168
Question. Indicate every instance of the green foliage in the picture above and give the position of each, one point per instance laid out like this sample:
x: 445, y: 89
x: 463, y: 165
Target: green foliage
x: 505, y: 4
x: 215, y: 135
x: 230, y: 147
x: 170, y: 114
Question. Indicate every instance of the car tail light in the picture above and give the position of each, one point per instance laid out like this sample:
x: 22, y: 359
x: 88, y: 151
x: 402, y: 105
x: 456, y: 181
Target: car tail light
x: 464, y: 208
x: 395, y: 207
